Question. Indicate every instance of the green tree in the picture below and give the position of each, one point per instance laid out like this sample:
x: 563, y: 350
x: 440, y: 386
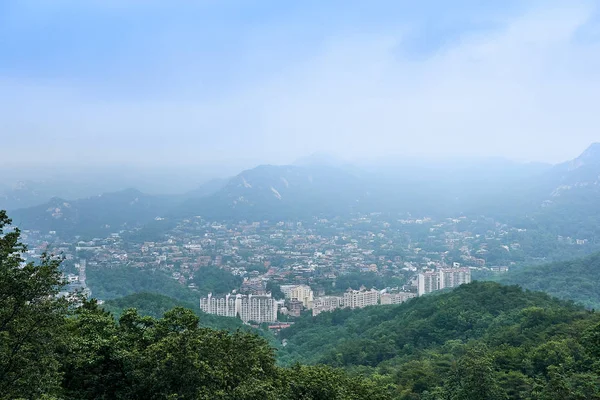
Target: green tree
x: 275, y: 290
x: 324, y: 383
x: 474, y: 378
x: 31, y: 317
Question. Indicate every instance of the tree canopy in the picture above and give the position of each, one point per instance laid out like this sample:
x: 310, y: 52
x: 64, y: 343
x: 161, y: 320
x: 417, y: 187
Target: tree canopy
x: 480, y: 341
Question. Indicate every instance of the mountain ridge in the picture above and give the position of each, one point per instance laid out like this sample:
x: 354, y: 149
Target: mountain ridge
x: 94, y: 215
x: 560, y: 197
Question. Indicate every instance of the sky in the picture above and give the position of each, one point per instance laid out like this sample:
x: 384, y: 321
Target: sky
x: 153, y: 83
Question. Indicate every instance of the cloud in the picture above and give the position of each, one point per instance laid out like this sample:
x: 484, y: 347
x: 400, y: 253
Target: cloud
x: 524, y: 88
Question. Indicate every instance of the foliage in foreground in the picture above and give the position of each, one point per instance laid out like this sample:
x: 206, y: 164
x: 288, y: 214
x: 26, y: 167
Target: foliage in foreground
x: 146, y: 358
x: 49, y: 350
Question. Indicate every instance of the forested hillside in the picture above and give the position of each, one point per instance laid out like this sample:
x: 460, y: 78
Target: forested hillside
x: 577, y: 280
x: 110, y: 283
x: 498, y: 339
x: 156, y: 305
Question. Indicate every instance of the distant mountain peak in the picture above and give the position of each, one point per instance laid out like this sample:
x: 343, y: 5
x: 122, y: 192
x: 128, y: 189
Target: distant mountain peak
x: 591, y: 153
x: 591, y: 156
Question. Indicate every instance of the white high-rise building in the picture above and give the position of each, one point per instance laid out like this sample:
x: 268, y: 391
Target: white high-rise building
x: 260, y: 309
x: 396, y: 298
x: 452, y: 277
x: 443, y: 278
x: 360, y: 298
x: 223, y: 306
x: 301, y: 293
x: 428, y: 282
x: 326, y: 303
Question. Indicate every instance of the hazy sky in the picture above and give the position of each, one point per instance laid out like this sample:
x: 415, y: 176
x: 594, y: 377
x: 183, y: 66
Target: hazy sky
x: 194, y: 82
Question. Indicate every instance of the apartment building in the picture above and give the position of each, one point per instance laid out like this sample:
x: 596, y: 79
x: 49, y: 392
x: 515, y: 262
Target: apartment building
x: 396, y: 298
x: 443, y: 278
x: 428, y: 282
x: 258, y: 308
x: 452, y: 277
x: 326, y: 303
x: 301, y: 293
x: 361, y: 298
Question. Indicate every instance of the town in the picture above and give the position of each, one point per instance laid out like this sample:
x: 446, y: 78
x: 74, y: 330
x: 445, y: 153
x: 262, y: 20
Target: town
x: 284, y: 268
x: 263, y: 307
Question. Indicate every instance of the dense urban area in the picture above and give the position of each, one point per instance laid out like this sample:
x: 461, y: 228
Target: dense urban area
x: 343, y: 262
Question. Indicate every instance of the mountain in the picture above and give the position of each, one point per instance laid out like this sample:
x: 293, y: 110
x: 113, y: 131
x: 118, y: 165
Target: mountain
x: 558, y: 200
x: 563, y: 200
x: 570, y: 178
x: 519, y: 193
x: 590, y: 158
x: 433, y: 347
x: 21, y: 195
x: 577, y: 176
x: 27, y: 193
x: 278, y: 192
x: 97, y: 215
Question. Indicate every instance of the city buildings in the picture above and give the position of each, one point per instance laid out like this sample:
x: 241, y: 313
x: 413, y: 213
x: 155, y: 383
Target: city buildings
x: 452, y: 277
x: 262, y: 308
x: 301, y: 293
x: 396, y: 298
x: 224, y: 306
x: 326, y: 303
x: 294, y: 307
x: 443, y: 278
x: 360, y: 298
x: 428, y: 282
x: 316, y: 255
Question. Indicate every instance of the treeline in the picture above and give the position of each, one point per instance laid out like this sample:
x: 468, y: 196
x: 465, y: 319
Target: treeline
x: 110, y: 283
x: 480, y: 341
x: 156, y: 305
x: 52, y: 349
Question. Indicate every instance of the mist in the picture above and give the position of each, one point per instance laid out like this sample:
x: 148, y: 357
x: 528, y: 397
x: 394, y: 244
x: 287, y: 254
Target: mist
x: 213, y: 83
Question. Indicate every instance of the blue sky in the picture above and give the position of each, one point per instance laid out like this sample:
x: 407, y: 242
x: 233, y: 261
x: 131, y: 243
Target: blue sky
x: 193, y: 82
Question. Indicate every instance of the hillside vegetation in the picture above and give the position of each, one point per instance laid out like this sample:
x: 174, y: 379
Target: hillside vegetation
x: 110, y: 283
x: 500, y: 339
x: 577, y: 280
x: 156, y: 305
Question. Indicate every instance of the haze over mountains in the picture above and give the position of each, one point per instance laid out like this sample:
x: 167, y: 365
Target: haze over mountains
x: 317, y: 188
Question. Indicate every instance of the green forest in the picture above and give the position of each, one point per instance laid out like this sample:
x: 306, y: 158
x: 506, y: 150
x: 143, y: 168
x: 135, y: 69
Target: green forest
x: 574, y: 279
x: 111, y: 283
x: 480, y: 341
